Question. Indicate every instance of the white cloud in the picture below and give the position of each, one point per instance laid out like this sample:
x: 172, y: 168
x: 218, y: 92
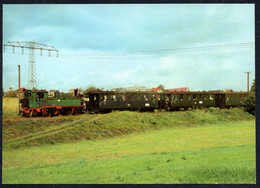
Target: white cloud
x: 125, y: 75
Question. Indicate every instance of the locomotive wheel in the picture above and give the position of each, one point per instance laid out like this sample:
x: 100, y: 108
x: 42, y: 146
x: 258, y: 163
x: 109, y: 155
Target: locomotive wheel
x: 77, y: 111
x: 33, y: 113
x: 26, y: 115
x: 69, y: 112
x: 58, y: 113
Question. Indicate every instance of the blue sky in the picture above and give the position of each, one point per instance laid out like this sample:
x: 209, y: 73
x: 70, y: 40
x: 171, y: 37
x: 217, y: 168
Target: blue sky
x: 200, y: 46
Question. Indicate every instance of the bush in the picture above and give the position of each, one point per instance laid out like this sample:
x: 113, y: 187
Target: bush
x: 66, y: 95
x: 249, y: 104
x: 11, y: 94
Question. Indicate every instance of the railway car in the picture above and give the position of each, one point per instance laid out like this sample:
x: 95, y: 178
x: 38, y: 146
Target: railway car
x: 234, y: 99
x: 189, y: 99
x: 205, y: 99
x: 37, y: 103
x: 106, y: 101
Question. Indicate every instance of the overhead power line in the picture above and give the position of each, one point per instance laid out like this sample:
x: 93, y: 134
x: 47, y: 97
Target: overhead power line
x: 155, y: 52
x: 32, y: 67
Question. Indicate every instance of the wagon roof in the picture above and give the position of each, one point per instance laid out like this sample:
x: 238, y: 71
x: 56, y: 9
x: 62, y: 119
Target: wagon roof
x: 126, y: 92
x: 33, y: 90
x: 206, y: 92
x: 38, y: 91
x: 166, y: 92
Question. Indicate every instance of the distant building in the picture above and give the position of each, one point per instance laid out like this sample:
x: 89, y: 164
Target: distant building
x: 137, y: 88
x: 215, y: 90
x: 119, y: 89
x: 71, y: 91
x: 10, y: 88
x: 229, y: 90
x: 76, y: 92
x: 157, y: 89
x: 178, y: 89
x: 51, y: 93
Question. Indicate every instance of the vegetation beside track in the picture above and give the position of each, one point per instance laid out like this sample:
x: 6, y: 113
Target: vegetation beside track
x: 10, y: 107
x: 39, y: 131
x: 213, y: 153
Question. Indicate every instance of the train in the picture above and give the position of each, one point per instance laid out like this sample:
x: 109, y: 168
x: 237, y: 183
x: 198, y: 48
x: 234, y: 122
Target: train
x: 38, y: 103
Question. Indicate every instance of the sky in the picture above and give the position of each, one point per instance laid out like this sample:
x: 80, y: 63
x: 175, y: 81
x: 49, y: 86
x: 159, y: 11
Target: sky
x: 200, y: 46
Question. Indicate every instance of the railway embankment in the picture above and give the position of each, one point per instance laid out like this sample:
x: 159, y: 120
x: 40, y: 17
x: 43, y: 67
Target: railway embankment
x: 19, y: 132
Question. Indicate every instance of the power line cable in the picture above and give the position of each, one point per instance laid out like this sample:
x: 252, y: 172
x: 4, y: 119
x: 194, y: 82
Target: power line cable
x: 149, y: 54
x: 155, y: 52
x: 176, y: 49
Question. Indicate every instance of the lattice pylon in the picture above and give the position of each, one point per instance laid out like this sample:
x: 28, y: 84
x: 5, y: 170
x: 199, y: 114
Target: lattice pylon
x: 31, y: 70
x: 31, y: 84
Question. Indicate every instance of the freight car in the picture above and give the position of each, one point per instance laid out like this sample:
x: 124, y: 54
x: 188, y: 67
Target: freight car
x: 106, y: 101
x: 37, y: 103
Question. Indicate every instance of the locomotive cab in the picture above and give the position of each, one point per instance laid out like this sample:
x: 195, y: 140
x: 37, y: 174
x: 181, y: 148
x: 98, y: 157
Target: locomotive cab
x: 29, y: 99
x: 37, y: 98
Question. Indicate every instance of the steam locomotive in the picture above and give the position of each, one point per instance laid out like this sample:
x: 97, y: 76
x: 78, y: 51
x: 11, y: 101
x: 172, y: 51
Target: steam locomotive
x: 38, y: 103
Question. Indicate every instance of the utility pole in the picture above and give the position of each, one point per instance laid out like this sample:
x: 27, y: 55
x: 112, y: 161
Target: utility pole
x: 19, y: 112
x: 19, y: 86
x: 32, y: 64
x: 247, y: 81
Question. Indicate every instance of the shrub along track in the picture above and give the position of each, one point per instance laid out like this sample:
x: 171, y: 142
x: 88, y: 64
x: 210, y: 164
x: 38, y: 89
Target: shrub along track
x: 63, y: 127
x: 66, y: 129
x: 51, y: 130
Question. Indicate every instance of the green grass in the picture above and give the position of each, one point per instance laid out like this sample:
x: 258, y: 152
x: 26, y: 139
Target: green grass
x: 222, y: 152
x: 10, y: 107
x: 42, y: 131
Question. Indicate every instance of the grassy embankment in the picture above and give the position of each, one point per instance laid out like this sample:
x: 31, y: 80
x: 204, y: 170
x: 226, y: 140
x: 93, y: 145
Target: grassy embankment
x: 10, y: 107
x: 39, y: 131
x: 207, y: 146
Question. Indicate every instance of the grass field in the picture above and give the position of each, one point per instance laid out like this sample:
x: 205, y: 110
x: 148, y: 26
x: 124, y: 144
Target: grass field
x: 10, y: 107
x: 198, y: 146
x: 211, y: 152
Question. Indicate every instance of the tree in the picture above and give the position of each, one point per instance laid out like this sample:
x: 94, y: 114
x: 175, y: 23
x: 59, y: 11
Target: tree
x: 249, y: 104
x: 161, y: 87
x: 66, y: 95
x: 253, y: 86
x: 91, y: 88
x: 11, y: 93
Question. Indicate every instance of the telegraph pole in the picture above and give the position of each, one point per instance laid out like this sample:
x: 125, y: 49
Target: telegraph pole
x: 19, y: 77
x: 19, y: 112
x: 248, y: 81
x: 32, y: 64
